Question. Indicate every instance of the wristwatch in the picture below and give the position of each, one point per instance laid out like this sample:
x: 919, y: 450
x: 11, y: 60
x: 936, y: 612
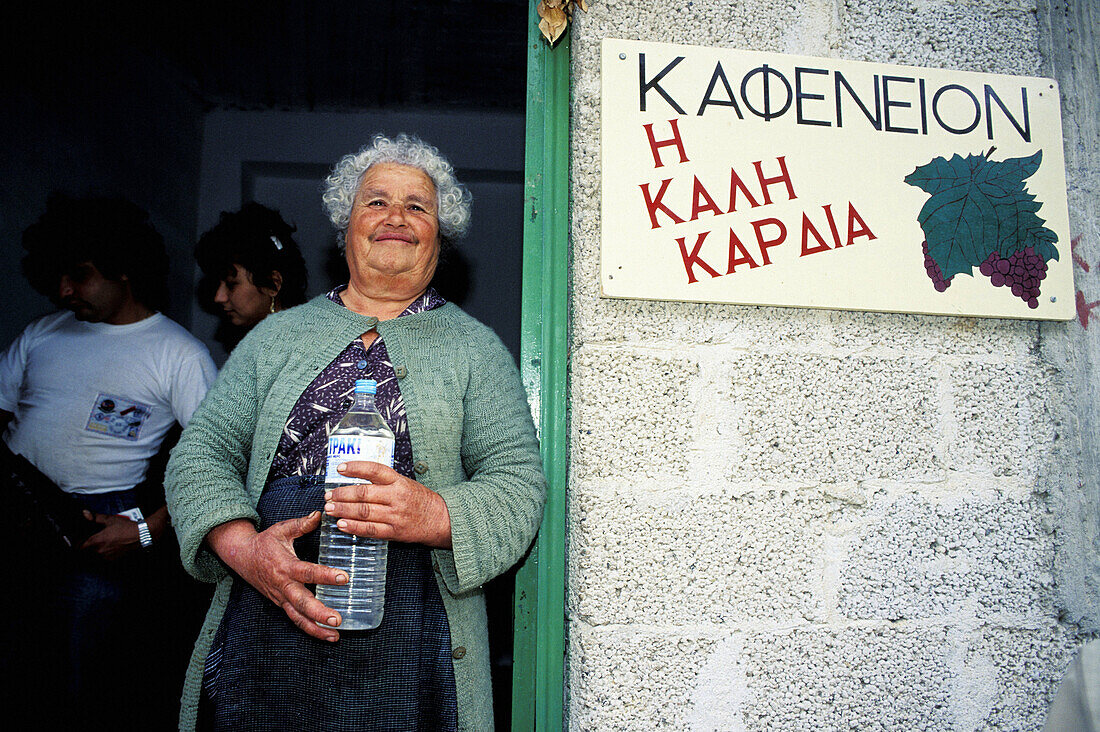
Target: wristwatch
x: 144, y: 535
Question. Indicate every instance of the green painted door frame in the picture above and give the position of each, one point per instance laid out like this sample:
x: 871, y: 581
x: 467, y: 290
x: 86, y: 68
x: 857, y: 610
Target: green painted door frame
x: 538, y: 679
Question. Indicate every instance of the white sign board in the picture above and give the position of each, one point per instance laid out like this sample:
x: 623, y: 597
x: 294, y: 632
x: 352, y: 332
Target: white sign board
x: 768, y: 179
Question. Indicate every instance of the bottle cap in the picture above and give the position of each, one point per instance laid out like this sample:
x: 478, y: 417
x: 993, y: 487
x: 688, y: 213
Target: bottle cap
x: 366, y: 386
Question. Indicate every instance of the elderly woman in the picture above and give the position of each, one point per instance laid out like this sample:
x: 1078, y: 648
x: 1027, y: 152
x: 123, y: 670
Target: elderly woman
x: 460, y: 506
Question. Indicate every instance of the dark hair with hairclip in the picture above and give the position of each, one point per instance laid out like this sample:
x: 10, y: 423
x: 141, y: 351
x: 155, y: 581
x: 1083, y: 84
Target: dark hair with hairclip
x: 256, y: 238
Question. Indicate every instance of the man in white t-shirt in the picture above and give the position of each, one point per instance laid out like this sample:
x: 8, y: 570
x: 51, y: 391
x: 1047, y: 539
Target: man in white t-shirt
x: 87, y: 395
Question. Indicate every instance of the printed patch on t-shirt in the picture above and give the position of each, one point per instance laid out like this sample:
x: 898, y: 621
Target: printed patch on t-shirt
x: 117, y: 417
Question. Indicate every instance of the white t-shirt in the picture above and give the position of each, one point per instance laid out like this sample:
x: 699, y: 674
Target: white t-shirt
x: 92, y: 401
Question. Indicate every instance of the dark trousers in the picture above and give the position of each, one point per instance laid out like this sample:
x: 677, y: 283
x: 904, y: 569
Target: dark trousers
x: 91, y: 644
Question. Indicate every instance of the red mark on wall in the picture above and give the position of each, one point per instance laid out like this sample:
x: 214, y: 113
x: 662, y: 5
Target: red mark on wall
x: 1077, y: 257
x: 1084, y: 310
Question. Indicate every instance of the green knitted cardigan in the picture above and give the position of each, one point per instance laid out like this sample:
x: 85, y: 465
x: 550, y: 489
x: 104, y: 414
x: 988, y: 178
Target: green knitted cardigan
x: 472, y: 439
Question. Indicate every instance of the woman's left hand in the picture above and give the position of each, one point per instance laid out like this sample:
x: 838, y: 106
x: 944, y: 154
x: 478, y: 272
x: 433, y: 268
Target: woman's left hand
x: 390, y: 507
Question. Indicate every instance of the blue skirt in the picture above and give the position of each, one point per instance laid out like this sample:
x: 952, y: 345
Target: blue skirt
x: 263, y: 673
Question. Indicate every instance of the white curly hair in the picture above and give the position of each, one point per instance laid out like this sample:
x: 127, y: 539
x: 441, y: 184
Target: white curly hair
x: 343, y: 183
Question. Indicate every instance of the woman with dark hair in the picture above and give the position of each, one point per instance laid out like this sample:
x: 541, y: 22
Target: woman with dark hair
x: 252, y: 265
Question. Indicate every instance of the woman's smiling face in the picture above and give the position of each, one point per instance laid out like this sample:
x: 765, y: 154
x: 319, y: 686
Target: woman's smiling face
x: 393, y: 234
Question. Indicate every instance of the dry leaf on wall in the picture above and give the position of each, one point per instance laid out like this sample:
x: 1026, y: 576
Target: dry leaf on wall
x: 555, y: 16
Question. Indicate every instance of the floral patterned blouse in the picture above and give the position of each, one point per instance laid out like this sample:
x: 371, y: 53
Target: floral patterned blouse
x: 304, y: 443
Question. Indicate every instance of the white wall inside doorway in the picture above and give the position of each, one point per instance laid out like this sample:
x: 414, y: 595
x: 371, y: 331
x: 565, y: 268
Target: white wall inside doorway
x: 280, y: 158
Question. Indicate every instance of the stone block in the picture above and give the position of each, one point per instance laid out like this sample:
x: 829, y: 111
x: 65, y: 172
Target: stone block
x: 993, y: 36
x: 656, y: 554
x: 855, y: 678
x: 929, y: 335
x: 632, y: 413
x: 751, y: 24
x: 799, y: 417
x: 819, y: 678
x: 1025, y: 666
x: 627, y: 679
x: 1001, y: 418
x: 918, y: 557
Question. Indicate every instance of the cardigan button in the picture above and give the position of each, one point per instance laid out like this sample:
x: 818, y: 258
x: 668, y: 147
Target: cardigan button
x: 400, y: 372
x: 458, y: 653
x: 371, y: 322
x: 420, y: 468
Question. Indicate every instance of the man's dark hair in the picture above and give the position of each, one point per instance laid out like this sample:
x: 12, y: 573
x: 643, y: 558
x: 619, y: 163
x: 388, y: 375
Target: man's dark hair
x: 256, y: 238
x: 111, y: 233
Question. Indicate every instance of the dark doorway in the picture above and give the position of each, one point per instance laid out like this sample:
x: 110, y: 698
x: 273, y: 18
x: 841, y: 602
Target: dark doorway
x: 121, y: 98
x: 281, y: 158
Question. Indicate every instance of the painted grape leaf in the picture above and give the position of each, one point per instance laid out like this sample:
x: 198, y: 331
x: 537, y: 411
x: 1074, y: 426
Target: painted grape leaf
x: 977, y: 206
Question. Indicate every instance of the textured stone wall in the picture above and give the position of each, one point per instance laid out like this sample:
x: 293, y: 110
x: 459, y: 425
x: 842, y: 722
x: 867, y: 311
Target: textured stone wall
x: 1069, y: 35
x: 788, y: 519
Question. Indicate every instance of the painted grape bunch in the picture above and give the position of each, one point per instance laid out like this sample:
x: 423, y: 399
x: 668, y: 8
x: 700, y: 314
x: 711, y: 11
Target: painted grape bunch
x: 979, y: 214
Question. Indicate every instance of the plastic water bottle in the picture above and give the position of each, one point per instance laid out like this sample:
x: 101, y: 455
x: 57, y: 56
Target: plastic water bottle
x: 361, y: 435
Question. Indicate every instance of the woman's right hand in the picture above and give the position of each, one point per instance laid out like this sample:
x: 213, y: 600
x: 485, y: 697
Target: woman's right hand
x: 266, y: 560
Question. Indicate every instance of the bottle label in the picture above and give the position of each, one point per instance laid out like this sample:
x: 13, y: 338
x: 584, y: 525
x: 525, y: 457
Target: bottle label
x: 344, y: 448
